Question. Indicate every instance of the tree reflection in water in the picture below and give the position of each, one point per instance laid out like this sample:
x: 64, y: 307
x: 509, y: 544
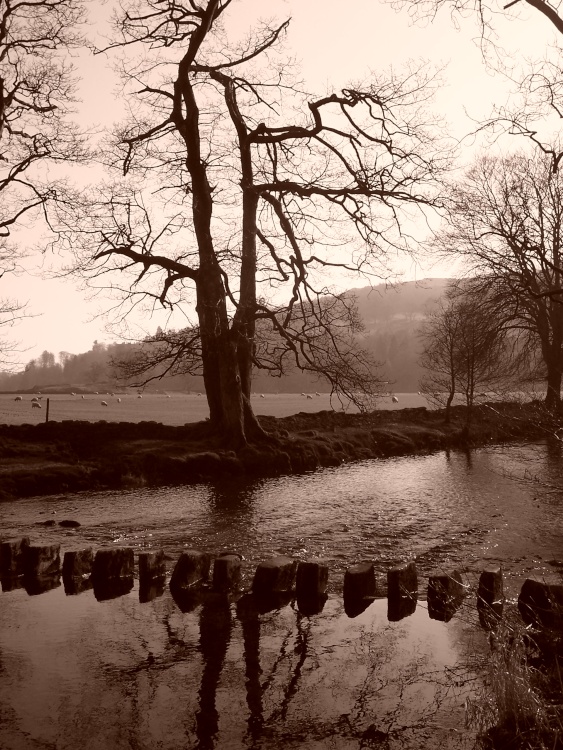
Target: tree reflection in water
x: 214, y: 672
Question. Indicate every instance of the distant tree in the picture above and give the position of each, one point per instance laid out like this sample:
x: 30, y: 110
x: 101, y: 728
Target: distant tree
x: 506, y: 221
x: 46, y: 360
x: 266, y: 188
x: 36, y: 93
x: 464, y: 348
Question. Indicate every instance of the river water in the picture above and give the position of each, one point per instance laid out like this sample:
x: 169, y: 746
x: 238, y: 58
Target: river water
x: 78, y: 673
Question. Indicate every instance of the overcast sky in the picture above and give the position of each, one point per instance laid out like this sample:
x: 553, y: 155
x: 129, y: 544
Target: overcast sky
x: 336, y: 43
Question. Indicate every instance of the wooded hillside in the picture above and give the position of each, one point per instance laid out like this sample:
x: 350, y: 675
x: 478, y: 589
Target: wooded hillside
x: 392, y: 317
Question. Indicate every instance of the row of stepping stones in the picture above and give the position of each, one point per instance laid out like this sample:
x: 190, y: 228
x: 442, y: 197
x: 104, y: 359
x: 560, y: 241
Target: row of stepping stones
x: 110, y: 571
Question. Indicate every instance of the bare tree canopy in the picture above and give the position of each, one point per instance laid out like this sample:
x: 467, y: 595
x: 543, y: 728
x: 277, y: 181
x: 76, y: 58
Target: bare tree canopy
x: 36, y: 93
x: 467, y: 346
x: 532, y: 106
x: 262, y: 187
x: 506, y: 220
x: 484, y: 11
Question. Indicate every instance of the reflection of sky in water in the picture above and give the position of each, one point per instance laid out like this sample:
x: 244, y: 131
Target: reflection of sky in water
x: 444, y: 509
x: 118, y: 674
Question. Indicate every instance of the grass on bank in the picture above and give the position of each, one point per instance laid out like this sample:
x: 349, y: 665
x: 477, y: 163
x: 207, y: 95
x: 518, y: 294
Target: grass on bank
x: 520, y: 706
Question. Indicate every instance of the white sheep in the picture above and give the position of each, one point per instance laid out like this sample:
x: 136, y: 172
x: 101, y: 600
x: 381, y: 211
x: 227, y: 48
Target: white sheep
x: 35, y: 405
x: 104, y: 403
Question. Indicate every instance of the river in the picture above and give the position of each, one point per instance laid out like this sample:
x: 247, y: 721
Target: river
x: 120, y: 674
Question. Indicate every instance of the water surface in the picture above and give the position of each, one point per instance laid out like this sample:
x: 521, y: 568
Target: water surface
x: 120, y: 674
x: 495, y: 505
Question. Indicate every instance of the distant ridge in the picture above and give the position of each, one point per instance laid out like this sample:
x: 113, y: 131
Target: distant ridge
x: 392, y: 316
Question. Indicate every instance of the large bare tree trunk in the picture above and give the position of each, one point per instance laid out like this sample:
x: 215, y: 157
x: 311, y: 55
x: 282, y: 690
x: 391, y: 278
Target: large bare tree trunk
x: 553, y: 393
x: 219, y: 357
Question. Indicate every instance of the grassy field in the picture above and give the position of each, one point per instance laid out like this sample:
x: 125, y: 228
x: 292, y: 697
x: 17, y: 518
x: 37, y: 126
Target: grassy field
x: 176, y: 409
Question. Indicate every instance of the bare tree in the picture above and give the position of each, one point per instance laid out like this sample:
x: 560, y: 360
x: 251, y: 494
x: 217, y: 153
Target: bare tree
x: 36, y: 93
x: 534, y: 106
x: 464, y: 347
x: 262, y: 187
x: 506, y: 220
x: 485, y: 12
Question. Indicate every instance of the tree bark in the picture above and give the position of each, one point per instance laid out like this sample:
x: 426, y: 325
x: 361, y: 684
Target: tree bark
x: 553, y: 393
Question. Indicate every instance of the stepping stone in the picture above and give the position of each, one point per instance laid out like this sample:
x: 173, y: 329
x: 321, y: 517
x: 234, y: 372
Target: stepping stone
x: 42, y: 559
x: 78, y: 563
x: 274, y: 576
x: 12, y: 556
x: 192, y: 569
x: 152, y: 564
x: 445, y: 595
x: 117, y: 562
x: 226, y: 572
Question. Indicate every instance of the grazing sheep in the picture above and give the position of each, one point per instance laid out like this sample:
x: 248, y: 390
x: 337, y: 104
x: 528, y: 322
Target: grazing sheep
x: 317, y: 393
x: 104, y: 403
x: 139, y: 397
x: 167, y: 396
x: 34, y: 399
x: 18, y: 398
x: 309, y: 397
x: 35, y: 405
x: 118, y: 400
x: 303, y: 394
x: 83, y: 397
x: 73, y: 393
x: 262, y: 395
x: 395, y: 400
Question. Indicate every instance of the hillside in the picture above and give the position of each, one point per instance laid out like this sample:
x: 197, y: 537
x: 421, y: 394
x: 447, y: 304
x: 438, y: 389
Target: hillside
x: 392, y: 317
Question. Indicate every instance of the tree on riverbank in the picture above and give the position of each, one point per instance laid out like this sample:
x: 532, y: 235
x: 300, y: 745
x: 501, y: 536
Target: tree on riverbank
x: 263, y: 187
x: 465, y: 348
x: 506, y: 220
x: 36, y: 95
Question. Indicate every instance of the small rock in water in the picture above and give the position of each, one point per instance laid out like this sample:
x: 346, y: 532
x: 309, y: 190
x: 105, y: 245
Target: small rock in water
x: 68, y: 523
x: 50, y: 522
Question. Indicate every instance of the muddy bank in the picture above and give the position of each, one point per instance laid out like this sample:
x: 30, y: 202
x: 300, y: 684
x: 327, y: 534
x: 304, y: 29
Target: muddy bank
x: 72, y: 456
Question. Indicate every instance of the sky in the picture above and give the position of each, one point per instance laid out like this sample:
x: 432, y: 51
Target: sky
x: 336, y: 43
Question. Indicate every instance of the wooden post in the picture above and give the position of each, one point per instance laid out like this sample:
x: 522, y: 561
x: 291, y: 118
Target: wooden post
x: 47, y: 412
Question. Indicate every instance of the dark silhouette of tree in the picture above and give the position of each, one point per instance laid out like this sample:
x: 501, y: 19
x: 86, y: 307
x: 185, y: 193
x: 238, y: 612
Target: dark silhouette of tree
x: 469, y: 345
x: 506, y: 221
x: 36, y: 93
x: 263, y: 187
x: 440, y: 336
x: 534, y: 82
x: 485, y: 12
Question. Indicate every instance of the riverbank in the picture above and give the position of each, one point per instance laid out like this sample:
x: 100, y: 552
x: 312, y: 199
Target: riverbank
x: 71, y: 456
